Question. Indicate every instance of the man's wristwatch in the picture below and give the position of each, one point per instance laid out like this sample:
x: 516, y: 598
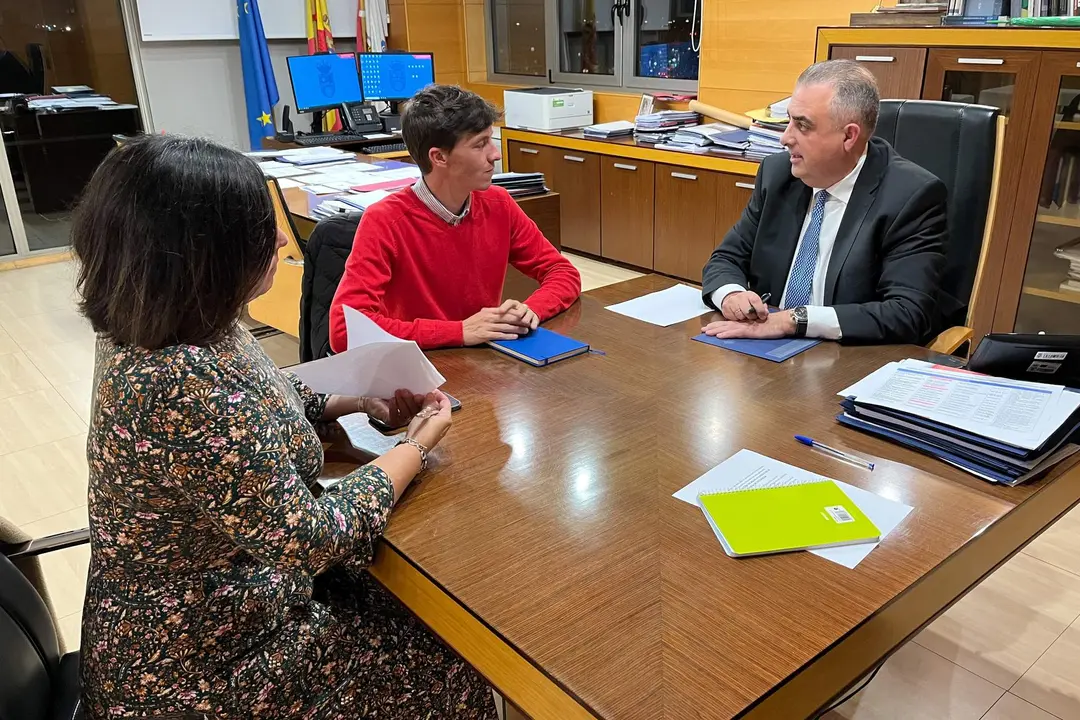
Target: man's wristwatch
x: 802, y: 321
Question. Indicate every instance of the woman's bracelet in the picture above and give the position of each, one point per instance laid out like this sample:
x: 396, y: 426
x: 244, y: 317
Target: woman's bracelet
x: 423, y: 451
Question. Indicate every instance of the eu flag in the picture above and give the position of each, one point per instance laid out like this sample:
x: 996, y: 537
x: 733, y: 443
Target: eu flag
x: 260, y: 88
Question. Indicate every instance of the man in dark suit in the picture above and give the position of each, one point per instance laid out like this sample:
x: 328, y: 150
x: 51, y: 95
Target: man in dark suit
x: 845, y: 235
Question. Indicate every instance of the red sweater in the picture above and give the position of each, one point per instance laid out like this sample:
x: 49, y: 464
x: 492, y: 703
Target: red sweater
x: 418, y: 277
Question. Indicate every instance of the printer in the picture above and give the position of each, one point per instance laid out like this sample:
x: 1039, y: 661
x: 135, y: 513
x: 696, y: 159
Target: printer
x: 548, y: 108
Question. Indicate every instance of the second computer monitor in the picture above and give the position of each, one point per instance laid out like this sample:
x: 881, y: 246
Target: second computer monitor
x: 394, y: 76
x: 323, y: 82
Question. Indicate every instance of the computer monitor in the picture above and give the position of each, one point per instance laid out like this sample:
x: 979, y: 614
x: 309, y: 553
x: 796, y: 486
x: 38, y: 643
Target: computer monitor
x: 1053, y: 359
x: 323, y: 82
x: 394, y: 77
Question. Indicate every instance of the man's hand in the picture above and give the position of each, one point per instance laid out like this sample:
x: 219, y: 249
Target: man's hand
x: 744, y: 307
x: 776, y: 325
x: 509, y: 321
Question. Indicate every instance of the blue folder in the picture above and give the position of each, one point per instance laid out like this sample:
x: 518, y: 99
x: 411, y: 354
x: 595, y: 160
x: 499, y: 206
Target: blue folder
x: 541, y: 347
x: 774, y: 350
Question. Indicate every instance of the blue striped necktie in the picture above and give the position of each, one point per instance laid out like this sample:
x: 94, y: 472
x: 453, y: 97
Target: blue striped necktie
x: 801, y: 282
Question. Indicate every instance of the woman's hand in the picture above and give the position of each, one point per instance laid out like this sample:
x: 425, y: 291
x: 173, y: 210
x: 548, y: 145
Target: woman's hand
x: 395, y: 411
x: 432, y: 422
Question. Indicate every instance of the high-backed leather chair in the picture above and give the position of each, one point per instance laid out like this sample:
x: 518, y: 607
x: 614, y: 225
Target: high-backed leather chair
x: 961, y: 145
x: 38, y: 681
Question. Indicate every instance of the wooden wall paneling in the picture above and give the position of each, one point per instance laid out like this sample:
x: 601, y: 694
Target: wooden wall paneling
x: 475, y: 40
x: 398, y: 37
x: 753, y: 50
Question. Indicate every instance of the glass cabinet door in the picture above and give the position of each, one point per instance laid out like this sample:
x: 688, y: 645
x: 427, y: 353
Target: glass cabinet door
x: 1007, y: 80
x: 1049, y: 298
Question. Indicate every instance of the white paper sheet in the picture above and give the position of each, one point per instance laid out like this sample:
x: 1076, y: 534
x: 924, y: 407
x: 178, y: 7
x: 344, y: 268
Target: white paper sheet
x: 286, y: 183
x: 362, y: 201
x: 377, y: 364
x: 1010, y: 411
x: 281, y: 170
x: 747, y: 469
x: 666, y: 307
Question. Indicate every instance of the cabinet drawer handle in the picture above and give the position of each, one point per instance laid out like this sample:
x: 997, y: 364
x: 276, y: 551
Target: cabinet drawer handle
x: 573, y: 158
x: 980, y: 61
x: 530, y: 151
x: 625, y: 167
x: 683, y: 176
x: 745, y: 186
x: 875, y: 58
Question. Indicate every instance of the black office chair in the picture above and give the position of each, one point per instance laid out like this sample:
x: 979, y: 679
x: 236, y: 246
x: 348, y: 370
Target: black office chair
x: 325, y: 254
x: 35, y: 57
x: 37, y: 683
x: 961, y: 144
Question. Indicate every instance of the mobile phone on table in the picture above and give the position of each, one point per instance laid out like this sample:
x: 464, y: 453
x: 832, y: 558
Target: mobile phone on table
x: 379, y: 425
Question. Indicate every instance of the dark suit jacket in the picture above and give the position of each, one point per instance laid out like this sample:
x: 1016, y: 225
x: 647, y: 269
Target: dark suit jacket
x: 889, y: 252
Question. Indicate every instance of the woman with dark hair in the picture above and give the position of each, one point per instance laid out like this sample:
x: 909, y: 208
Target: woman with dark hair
x: 219, y: 585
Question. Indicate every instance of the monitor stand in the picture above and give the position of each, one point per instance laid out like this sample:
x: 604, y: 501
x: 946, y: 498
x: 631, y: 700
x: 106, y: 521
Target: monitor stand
x: 317, y: 121
x: 392, y: 117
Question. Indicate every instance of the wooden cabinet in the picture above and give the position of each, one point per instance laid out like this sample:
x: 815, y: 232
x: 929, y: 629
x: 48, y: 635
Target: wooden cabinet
x: 526, y: 157
x: 694, y: 210
x: 899, y: 70
x: 626, y: 211
x: 732, y: 194
x: 577, y: 180
x: 684, y: 232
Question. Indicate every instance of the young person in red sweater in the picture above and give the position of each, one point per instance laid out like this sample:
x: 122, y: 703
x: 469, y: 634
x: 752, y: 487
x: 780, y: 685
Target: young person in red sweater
x: 428, y: 262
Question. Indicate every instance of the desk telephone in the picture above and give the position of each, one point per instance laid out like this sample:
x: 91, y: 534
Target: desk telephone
x: 360, y: 117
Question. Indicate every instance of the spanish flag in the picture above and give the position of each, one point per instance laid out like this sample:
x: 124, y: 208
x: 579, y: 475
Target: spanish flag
x: 320, y: 39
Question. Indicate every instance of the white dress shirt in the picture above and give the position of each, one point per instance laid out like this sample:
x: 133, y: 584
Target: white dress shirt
x: 822, y: 320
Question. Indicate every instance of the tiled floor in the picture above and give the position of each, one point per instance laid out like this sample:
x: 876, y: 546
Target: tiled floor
x: 1010, y: 650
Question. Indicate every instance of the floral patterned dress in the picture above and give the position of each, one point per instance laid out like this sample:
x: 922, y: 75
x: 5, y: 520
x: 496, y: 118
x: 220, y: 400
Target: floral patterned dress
x: 218, y: 583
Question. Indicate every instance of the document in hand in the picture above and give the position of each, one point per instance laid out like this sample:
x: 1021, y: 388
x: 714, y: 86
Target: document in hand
x: 375, y: 365
x: 749, y: 471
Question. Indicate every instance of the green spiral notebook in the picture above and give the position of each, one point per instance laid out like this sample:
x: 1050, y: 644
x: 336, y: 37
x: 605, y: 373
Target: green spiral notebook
x: 782, y: 519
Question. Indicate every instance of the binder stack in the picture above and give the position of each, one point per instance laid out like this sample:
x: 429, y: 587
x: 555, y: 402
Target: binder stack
x: 1003, y: 431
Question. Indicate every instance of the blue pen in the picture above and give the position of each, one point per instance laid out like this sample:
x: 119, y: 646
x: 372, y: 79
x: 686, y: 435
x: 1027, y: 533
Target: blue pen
x: 833, y: 451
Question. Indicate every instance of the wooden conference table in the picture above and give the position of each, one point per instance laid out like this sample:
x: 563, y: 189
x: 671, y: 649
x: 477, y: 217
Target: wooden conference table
x: 544, y: 546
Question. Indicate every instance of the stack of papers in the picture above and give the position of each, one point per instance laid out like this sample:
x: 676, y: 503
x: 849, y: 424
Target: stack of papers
x: 665, y: 120
x: 748, y: 470
x: 314, y: 155
x: 779, y: 108
x: 701, y: 134
x: 1004, y: 431
x: 362, y: 201
x: 1070, y: 251
x: 763, y: 142
x: 618, y: 128
x: 520, y: 184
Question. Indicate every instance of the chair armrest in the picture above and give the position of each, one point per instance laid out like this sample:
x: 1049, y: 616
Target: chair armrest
x: 950, y: 340
x: 32, y: 548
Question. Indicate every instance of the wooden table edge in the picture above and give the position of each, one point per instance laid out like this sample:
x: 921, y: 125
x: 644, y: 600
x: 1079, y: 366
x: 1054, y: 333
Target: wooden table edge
x: 516, y: 678
x: 804, y: 693
x: 837, y: 668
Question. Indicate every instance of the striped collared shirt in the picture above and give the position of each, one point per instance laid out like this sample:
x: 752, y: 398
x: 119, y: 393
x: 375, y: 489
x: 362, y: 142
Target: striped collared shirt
x: 424, y: 193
